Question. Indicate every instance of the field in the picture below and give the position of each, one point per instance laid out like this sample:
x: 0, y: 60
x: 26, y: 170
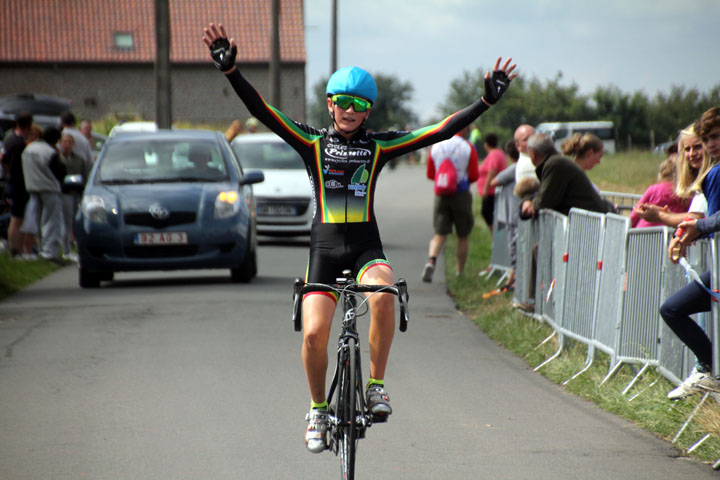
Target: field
x: 626, y: 172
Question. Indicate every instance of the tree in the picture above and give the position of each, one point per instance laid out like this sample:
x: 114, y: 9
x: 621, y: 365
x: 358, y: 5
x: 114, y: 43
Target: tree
x: 532, y: 101
x: 390, y: 111
x: 526, y: 101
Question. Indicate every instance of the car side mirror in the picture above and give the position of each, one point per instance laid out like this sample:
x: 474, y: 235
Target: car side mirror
x: 254, y: 176
x: 73, y: 184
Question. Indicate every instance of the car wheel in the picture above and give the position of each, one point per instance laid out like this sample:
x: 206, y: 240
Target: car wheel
x: 253, y: 259
x: 88, y: 279
x: 247, y: 269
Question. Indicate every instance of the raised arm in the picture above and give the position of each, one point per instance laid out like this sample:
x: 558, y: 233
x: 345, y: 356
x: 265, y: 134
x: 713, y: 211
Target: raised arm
x: 494, y: 85
x: 223, y: 53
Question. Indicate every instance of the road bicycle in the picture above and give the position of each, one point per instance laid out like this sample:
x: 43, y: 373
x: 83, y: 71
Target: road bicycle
x: 348, y: 416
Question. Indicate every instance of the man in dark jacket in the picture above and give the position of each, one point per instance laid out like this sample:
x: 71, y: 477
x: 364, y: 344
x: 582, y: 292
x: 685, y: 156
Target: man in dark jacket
x: 563, y: 184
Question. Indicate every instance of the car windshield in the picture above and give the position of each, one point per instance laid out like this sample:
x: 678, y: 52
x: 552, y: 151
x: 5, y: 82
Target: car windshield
x: 263, y: 155
x: 162, y: 161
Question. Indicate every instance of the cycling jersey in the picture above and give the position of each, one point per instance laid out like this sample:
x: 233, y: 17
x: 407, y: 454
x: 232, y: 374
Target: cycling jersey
x: 343, y: 172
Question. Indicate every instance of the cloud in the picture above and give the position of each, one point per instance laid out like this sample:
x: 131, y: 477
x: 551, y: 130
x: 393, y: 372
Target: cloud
x: 646, y: 45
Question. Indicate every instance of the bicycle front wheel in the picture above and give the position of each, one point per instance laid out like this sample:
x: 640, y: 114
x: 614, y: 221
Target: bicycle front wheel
x: 347, y: 397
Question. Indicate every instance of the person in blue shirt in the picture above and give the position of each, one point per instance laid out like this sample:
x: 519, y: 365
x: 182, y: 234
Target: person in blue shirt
x: 695, y: 298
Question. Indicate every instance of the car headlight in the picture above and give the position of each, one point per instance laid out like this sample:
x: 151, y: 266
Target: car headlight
x: 93, y: 208
x: 227, y: 204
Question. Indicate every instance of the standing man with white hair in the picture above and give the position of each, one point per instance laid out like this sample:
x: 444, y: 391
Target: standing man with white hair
x: 525, y: 167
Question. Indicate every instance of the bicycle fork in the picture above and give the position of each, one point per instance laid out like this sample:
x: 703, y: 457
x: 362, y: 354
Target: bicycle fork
x: 336, y: 418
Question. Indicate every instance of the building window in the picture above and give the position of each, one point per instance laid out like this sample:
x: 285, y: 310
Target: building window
x: 124, y: 41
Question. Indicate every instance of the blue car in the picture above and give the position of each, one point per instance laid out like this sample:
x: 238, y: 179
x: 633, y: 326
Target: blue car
x: 166, y: 200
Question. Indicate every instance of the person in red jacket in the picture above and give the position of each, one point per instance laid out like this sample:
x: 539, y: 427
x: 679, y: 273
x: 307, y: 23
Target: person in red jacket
x: 456, y: 208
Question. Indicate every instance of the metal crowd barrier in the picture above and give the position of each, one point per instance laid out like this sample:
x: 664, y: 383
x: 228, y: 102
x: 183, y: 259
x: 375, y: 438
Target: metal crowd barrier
x: 623, y: 201
x: 611, y: 290
x: 526, y: 239
x: 639, y: 328
x: 500, y: 260
x: 712, y: 327
x: 600, y: 282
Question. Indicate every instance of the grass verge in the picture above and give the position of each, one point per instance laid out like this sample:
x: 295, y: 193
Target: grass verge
x: 645, y: 404
x: 18, y: 274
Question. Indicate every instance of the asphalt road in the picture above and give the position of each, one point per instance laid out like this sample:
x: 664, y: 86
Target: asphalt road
x: 187, y: 376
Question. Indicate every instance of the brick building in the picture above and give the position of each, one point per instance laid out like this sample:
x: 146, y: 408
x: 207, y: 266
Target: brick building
x: 100, y: 54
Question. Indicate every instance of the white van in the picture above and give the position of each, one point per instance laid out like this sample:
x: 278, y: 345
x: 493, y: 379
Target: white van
x: 561, y: 131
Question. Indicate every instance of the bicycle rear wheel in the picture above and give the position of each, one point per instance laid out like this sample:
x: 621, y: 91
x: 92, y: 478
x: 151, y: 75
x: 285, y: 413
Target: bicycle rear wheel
x: 347, y: 405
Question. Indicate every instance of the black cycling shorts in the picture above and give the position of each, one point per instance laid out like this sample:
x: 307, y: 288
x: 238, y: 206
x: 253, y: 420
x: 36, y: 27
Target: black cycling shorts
x: 345, y: 246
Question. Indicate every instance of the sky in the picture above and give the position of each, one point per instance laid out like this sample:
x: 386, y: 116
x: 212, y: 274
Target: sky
x: 635, y: 45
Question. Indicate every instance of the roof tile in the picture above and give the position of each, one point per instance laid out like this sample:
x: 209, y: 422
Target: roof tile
x: 83, y: 30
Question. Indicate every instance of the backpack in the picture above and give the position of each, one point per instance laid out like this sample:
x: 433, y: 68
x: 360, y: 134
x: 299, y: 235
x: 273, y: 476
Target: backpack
x: 446, y: 178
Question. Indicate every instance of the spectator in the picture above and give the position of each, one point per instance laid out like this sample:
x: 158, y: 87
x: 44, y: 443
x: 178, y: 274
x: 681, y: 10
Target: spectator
x: 509, y: 207
x: 494, y: 163
x: 586, y: 149
x: 691, y: 161
x: 661, y: 194
x: 251, y: 125
x: 43, y: 172
x: 475, y: 137
x: 13, y: 146
x: 74, y: 165
x: 29, y: 227
x: 456, y: 208
x: 563, y: 184
x: 235, y: 129
x: 695, y: 298
x: 82, y: 145
x: 85, y: 128
x: 525, y: 167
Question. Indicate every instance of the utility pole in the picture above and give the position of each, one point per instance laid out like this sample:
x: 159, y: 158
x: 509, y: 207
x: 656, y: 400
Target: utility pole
x: 163, y: 115
x: 333, y: 38
x: 275, y: 54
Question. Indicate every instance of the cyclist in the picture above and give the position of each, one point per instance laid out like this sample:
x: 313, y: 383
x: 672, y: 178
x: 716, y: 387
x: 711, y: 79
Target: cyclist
x: 343, y: 163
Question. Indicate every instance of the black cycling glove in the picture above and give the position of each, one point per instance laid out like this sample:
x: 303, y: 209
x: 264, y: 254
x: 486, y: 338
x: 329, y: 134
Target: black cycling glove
x: 495, y: 86
x: 223, y: 54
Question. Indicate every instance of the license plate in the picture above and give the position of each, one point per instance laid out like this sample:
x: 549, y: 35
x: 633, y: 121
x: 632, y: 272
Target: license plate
x: 277, y: 210
x: 161, y: 238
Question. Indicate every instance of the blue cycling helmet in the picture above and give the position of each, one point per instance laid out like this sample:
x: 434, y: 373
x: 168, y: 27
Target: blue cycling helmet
x: 352, y: 81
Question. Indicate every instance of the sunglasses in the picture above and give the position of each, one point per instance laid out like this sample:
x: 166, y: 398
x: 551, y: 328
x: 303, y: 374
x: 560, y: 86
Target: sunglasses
x: 344, y: 101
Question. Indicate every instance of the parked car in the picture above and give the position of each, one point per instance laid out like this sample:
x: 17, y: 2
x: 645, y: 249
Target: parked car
x: 166, y: 200
x: 46, y: 109
x: 35, y: 103
x: 284, y: 200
